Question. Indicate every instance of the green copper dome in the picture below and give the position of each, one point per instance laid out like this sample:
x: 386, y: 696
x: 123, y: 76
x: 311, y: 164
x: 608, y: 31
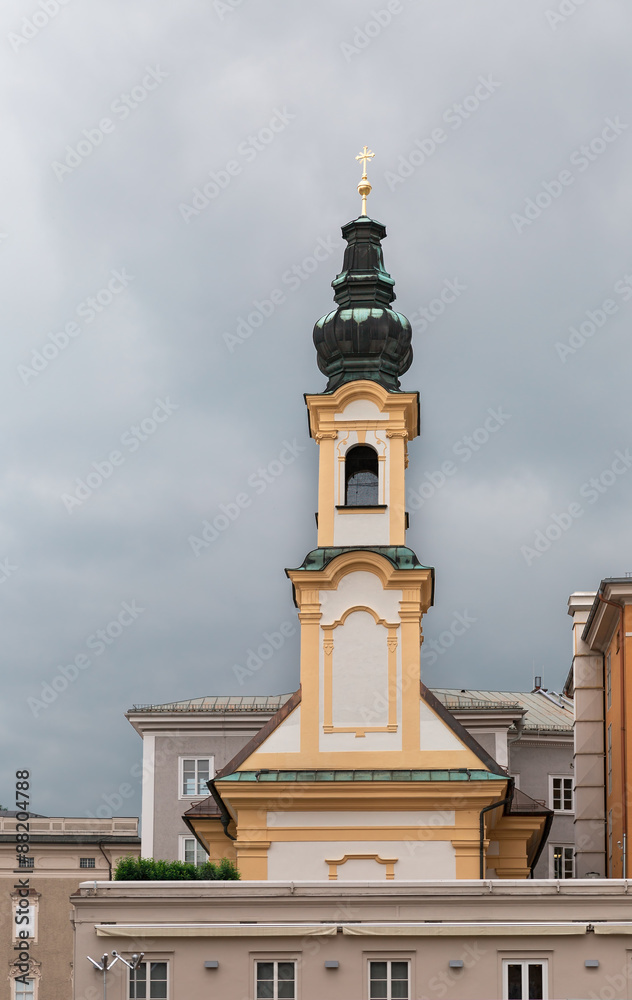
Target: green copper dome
x: 363, y: 338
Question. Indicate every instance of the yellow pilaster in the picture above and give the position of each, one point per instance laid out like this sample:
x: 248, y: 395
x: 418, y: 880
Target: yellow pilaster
x: 511, y: 861
x: 467, y: 857
x: 252, y: 859
x: 309, y: 617
x: 326, y: 486
x: 397, y: 507
x: 410, y: 615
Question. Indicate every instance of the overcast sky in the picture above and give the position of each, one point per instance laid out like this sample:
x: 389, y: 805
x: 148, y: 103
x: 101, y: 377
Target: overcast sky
x: 115, y: 115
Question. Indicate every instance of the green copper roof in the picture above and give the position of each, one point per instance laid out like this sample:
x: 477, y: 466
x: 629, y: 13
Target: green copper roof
x: 400, y: 556
x: 363, y: 338
x: 460, y: 774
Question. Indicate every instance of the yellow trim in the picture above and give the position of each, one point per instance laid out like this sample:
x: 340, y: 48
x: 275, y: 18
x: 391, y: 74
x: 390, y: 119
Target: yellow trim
x: 405, y: 834
x: 364, y: 759
x: 389, y: 862
x: 323, y: 407
x: 400, y: 426
x: 416, y: 590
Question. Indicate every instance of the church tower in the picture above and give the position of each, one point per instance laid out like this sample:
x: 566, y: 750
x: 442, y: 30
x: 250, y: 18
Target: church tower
x: 363, y: 774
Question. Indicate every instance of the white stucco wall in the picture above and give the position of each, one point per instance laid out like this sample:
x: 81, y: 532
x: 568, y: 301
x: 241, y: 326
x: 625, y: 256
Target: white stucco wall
x: 360, y: 672
x: 361, y: 527
x: 361, y: 409
x: 434, y: 733
x: 286, y: 738
x: 417, y: 859
x: 361, y: 689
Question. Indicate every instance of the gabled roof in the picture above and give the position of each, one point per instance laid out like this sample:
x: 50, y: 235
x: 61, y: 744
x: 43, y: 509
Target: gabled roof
x: 260, y: 737
x: 459, y: 731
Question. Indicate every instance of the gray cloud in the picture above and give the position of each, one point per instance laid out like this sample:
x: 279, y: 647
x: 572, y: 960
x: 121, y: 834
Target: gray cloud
x: 163, y: 335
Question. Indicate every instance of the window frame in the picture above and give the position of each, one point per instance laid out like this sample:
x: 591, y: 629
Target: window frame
x: 609, y: 758
x: 562, y: 778
x: 389, y: 959
x: 183, y: 837
x: 525, y: 960
x: 211, y: 773
x: 86, y: 868
x: 275, y: 958
x: 565, y: 858
x: 33, y: 899
x: 24, y: 996
x: 609, y: 680
x: 153, y: 960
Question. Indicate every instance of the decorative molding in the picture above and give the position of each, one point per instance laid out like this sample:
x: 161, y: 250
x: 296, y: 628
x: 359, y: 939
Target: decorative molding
x: 335, y: 862
x: 328, y: 649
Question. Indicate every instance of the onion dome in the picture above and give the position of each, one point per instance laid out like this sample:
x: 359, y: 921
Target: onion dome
x: 363, y: 338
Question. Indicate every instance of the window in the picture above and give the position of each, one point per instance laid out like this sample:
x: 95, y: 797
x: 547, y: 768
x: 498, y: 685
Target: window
x: 525, y: 979
x: 24, y: 991
x: 561, y: 794
x: 148, y: 981
x: 610, y: 760
x: 195, y: 772
x: 388, y: 980
x: 361, y: 477
x: 191, y: 852
x: 610, y: 842
x: 87, y: 863
x: 608, y: 682
x: 563, y: 862
x: 25, y: 915
x: 26, y: 862
x: 276, y: 980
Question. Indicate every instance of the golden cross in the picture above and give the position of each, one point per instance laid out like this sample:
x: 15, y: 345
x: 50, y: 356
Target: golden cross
x: 364, y: 188
x: 365, y: 155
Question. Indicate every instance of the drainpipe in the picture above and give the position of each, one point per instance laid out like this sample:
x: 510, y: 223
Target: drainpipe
x: 495, y: 805
x: 224, y: 815
x: 624, y: 749
x: 108, y: 862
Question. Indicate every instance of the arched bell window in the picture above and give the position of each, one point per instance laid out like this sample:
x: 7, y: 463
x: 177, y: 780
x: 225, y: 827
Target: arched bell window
x: 361, y: 477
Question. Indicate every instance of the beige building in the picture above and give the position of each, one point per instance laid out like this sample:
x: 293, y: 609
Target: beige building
x: 466, y: 940
x: 63, y: 852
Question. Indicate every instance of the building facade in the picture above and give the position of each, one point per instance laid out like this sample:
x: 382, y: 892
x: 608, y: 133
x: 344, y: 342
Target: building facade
x: 530, y: 734
x: 602, y: 635
x: 35, y: 890
x: 184, y: 744
x: 419, y: 940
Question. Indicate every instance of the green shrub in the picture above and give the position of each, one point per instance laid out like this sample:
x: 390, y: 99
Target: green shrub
x: 147, y: 869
